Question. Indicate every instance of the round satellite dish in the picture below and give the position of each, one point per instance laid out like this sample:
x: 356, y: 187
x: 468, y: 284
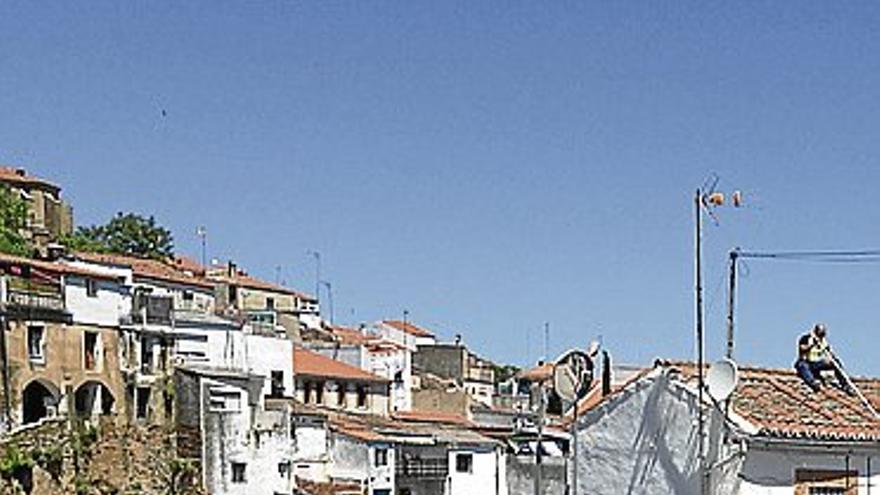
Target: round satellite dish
x: 572, y: 375
x: 722, y: 379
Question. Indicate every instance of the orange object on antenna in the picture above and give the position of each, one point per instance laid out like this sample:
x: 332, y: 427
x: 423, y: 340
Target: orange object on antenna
x: 737, y: 198
x: 715, y: 199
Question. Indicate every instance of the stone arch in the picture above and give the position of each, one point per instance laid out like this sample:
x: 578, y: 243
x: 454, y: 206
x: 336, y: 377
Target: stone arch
x: 93, y: 398
x: 39, y: 399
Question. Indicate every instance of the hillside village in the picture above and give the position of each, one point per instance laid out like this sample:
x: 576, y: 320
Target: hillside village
x: 125, y: 375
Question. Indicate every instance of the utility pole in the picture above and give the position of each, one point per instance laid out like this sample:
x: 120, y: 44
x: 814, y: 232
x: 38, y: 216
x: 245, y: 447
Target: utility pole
x: 329, y: 298
x: 701, y: 452
x: 731, y: 301
x: 202, y: 232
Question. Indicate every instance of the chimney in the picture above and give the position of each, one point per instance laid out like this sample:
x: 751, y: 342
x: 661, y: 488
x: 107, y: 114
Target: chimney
x: 231, y: 269
x: 458, y: 339
x: 606, y: 373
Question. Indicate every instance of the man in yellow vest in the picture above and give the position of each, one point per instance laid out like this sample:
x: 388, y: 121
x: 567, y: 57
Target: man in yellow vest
x: 814, y: 357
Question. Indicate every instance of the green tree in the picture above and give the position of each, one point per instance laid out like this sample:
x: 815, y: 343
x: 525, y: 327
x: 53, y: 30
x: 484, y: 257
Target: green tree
x: 13, y: 222
x: 126, y: 233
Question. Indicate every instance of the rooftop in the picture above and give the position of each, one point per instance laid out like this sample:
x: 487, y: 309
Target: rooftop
x: 148, y: 268
x: 19, y: 177
x: 242, y: 279
x: 306, y: 362
x: 778, y: 404
x: 51, y: 267
x: 408, y: 327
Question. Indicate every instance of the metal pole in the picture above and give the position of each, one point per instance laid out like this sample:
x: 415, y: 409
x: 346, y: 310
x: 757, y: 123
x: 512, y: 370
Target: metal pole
x: 731, y: 301
x: 574, y: 451
x: 698, y: 198
x: 538, y: 473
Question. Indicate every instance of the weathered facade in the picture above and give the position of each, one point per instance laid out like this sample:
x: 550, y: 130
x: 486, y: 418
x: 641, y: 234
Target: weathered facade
x: 49, y: 217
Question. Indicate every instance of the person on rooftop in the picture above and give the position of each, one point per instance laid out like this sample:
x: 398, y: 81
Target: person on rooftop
x: 814, y: 357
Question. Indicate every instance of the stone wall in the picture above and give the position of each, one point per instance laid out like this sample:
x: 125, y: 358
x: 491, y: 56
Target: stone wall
x: 61, y: 457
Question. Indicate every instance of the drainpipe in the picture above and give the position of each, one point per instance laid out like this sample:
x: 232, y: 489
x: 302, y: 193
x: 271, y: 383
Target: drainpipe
x: 4, y: 356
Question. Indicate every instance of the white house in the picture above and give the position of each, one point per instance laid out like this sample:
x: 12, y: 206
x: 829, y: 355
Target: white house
x: 778, y: 437
x: 404, y: 333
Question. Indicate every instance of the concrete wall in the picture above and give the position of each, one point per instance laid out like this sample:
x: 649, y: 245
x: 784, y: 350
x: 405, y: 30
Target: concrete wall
x: 771, y: 470
x: 520, y: 474
x: 445, y: 361
x: 487, y: 475
x: 111, y: 302
x: 255, y: 300
x: 312, y: 452
x: 267, y: 354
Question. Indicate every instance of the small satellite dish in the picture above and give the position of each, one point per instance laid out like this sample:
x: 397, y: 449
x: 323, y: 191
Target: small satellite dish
x: 722, y: 379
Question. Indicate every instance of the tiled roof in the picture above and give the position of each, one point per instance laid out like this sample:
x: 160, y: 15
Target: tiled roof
x: 242, y: 279
x: 424, y: 416
x: 777, y: 403
x: 537, y: 374
x: 408, y: 327
x: 348, y: 335
x: 57, y: 268
x: 149, y: 268
x: 19, y: 177
x: 306, y: 362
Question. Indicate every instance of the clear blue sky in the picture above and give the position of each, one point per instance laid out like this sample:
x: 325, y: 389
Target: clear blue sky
x: 487, y: 165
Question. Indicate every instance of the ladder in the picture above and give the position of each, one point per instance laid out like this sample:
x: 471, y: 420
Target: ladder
x: 838, y: 364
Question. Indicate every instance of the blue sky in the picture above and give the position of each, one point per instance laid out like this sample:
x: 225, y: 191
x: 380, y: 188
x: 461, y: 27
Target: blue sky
x: 488, y: 166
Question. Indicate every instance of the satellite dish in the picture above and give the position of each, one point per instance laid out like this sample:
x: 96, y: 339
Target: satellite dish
x: 722, y: 379
x: 572, y: 375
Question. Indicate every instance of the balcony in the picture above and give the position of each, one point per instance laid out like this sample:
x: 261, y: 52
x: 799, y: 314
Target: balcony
x: 36, y: 304
x: 152, y: 310
x: 423, y: 468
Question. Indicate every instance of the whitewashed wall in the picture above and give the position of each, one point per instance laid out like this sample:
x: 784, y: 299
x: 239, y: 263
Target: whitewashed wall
x: 267, y: 354
x: 387, y: 363
x: 771, y: 470
x: 487, y: 476
x: 105, y: 308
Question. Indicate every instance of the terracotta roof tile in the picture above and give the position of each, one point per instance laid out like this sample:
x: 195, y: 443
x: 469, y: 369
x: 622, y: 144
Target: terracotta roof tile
x: 20, y: 177
x: 306, y: 362
x: 778, y: 404
x: 57, y: 268
x: 425, y: 416
x: 408, y: 327
x: 149, y: 268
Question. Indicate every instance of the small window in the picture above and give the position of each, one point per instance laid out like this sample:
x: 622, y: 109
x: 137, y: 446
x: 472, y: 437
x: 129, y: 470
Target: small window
x: 361, y: 396
x: 307, y: 392
x: 340, y: 394
x: 277, y: 384
x: 35, y: 335
x: 238, y: 472
x: 464, y: 463
x: 142, y: 401
x: 284, y: 469
x: 90, y: 350
x: 270, y: 303
x: 188, y: 295
x: 319, y: 393
x: 381, y: 457
x: 398, y: 377
x: 91, y: 287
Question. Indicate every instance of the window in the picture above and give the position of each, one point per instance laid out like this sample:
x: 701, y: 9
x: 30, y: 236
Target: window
x: 307, y: 392
x: 35, y: 334
x: 142, y: 401
x: 319, y: 393
x: 277, y: 389
x: 284, y: 469
x: 341, y: 388
x: 238, y: 472
x: 91, y: 287
x: 398, y: 377
x: 381, y: 458
x: 188, y: 295
x: 464, y: 463
x: 362, y: 396
x: 224, y: 399
x: 270, y: 303
x: 822, y: 482
x: 90, y: 350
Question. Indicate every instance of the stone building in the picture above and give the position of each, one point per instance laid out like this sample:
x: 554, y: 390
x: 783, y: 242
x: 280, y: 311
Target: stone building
x: 456, y: 362
x: 49, y: 217
x: 268, y: 307
x: 332, y: 384
x: 61, y: 347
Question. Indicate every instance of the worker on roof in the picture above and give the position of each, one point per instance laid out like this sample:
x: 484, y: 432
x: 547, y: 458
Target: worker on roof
x: 814, y: 357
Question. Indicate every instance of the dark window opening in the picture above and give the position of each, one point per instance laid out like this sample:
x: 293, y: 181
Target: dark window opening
x: 142, y: 402
x: 307, y: 392
x: 270, y: 303
x: 319, y: 393
x: 361, y: 396
x: 277, y: 389
x: 464, y: 463
x: 90, y: 350
x: 233, y: 294
x: 238, y: 472
x: 340, y: 394
x: 35, y: 335
x: 381, y: 457
x: 91, y: 287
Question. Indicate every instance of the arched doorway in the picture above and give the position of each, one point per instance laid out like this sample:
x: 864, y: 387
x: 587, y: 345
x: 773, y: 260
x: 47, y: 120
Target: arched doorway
x: 93, y: 398
x: 39, y: 400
